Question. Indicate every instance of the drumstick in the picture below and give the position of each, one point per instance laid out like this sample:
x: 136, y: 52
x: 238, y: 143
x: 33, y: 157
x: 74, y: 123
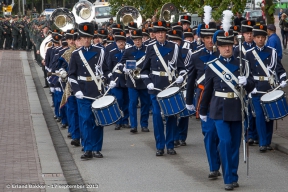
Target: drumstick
x: 109, y: 89
x: 89, y: 98
x: 261, y: 92
x: 175, y: 81
x: 278, y: 86
x: 157, y: 89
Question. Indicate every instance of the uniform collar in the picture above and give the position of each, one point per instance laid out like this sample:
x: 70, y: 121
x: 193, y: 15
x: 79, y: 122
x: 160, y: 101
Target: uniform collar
x: 249, y: 44
x: 260, y: 48
x: 208, y: 51
x: 87, y: 48
x: 138, y: 48
x: 162, y: 44
x: 228, y: 60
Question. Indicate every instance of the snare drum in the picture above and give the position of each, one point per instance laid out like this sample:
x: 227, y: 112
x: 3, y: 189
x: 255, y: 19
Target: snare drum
x: 274, y: 105
x: 106, y: 110
x: 186, y: 112
x: 171, y: 101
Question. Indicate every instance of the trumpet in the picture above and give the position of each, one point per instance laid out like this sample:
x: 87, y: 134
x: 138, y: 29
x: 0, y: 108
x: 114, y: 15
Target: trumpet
x: 136, y: 73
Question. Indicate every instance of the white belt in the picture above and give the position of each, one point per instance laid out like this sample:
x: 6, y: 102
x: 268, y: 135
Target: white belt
x: 58, y: 89
x: 200, y: 79
x: 225, y: 95
x: 260, y: 78
x: 160, y: 73
x: 117, y: 71
x: 84, y: 78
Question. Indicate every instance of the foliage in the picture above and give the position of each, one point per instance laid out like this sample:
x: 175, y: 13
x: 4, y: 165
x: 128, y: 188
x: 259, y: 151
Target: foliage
x: 150, y: 7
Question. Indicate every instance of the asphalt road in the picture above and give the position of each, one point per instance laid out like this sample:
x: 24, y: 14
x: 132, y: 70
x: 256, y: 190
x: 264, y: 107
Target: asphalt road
x: 130, y: 164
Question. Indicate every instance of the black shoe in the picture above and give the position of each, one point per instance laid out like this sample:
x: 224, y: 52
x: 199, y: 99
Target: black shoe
x: 52, y: 105
x: 58, y: 119
x: 160, y: 152
x: 97, y: 154
x: 46, y: 86
x: 117, y: 127
x: 55, y: 117
x: 145, y: 129
x: 125, y: 126
x: 87, y: 155
x: 269, y: 148
x: 214, y: 174
x: 235, y: 184
x: 82, y: 149
x: 256, y: 142
x: 183, y: 143
x: 171, y: 152
x: 263, y: 149
x: 250, y: 141
x: 177, y: 144
x: 133, y: 130
x: 69, y: 135
x: 76, y: 143
x: 229, y: 187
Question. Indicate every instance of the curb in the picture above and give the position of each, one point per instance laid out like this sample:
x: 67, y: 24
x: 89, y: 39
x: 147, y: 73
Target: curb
x: 52, y: 173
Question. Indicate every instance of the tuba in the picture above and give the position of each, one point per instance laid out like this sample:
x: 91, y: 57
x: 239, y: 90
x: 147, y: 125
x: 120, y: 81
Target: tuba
x: 169, y: 13
x: 129, y: 14
x: 83, y: 11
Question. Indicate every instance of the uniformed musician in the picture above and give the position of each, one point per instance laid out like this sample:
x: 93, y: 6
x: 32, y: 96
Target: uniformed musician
x: 80, y: 79
x: 158, y: 73
x: 120, y: 91
x: 246, y: 30
x: 221, y: 103
x: 196, y: 76
x: 267, y: 70
x: 136, y: 86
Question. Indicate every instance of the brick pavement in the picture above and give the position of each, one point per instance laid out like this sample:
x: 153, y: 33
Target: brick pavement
x: 282, y: 125
x: 19, y: 160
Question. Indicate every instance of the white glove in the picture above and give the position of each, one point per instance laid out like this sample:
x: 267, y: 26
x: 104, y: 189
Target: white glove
x: 112, y: 84
x: 126, y: 71
x: 179, y: 79
x: 254, y: 91
x: 150, y: 86
x: 242, y: 80
x: 190, y: 107
x: 63, y: 74
x: 283, y: 84
x: 203, y: 118
x: 79, y: 95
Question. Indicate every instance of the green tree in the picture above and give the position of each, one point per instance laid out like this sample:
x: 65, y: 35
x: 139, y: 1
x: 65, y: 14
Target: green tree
x: 269, y: 11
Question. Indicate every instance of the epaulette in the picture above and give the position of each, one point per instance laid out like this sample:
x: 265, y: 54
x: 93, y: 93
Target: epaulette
x: 236, y: 46
x: 210, y: 62
x: 250, y: 49
x: 198, y: 50
x: 97, y: 46
x: 112, y: 49
x: 152, y: 43
x: 242, y: 59
x: 128, y: 47
x: 271, y: 47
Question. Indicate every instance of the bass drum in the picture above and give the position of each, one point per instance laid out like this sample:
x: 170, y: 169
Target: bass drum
x: 45, y: 45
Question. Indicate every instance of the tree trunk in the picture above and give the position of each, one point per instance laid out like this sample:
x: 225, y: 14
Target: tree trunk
x: 269, y: 11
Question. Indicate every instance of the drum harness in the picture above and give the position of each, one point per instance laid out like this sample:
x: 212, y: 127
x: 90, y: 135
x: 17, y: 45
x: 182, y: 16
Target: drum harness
x: 170, y: 73
x: 98, y: 69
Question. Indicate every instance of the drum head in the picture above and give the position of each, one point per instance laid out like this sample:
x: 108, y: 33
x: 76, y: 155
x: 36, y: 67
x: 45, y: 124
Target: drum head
x: 272, y: 96
x: 167, y: 92
x: 103, y: 102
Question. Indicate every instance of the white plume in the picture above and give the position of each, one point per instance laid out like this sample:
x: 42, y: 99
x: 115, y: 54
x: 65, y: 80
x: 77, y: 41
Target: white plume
x: 207, y: 14
x: 226, y: 22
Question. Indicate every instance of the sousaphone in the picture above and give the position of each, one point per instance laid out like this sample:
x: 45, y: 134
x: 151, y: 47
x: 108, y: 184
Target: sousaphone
x: 169, y: 13
x: 129, y: 14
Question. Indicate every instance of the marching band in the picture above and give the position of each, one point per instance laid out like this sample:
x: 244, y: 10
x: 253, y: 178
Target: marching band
x: 98, y: 78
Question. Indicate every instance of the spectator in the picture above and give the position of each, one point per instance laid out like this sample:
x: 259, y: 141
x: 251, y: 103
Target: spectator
x: 283, y: 23
x: 274, y: 40
x: 280, y: 13
x: 239, y: 19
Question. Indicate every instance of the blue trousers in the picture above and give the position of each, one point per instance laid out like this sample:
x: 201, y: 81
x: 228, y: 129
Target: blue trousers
x: 264, y: 129
x: 181, y: 131
x: 252, y: 132
x: 92, y: 135
x: 56, y: 100
x: 171, y: 124
x: 211, y: 142
x: 122, y: 97
x: 73, y: 118
x: 145, y: 106
x: 229, y: 133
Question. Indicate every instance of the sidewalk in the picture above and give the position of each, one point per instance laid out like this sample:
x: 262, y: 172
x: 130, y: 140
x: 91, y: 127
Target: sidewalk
x: 28, y: 158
